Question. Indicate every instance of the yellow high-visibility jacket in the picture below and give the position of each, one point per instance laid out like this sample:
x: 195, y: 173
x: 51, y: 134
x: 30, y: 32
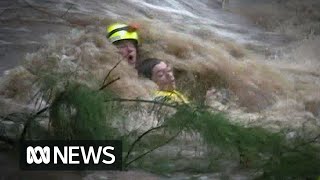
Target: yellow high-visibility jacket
x: 171, y: 97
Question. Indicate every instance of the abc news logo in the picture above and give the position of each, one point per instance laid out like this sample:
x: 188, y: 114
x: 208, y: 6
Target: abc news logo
x: 71, y: 155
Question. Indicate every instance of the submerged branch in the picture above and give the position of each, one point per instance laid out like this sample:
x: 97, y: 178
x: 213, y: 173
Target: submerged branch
x: 104, y: 84
x: 44, y: 11
x: 11, y: 141
x: 41, y: 10
x: 149, y: 151
x: 29, y: 120
x: 112, y: 81
x: 138, y: 139
x: 67, y: 11
x: 105, y: 79
x: 311, y: 141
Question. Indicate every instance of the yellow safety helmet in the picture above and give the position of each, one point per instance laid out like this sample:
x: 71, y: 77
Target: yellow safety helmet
x: 118, y: 31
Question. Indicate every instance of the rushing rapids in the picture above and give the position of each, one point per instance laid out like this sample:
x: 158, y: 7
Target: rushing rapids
x: 265, y: 54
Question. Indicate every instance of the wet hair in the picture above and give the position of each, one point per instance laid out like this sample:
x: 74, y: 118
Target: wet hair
x: 146, y: 66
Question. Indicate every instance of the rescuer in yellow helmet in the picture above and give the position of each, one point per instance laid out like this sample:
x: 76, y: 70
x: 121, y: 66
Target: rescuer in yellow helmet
x: 161, y: 73
x: 125, y: 38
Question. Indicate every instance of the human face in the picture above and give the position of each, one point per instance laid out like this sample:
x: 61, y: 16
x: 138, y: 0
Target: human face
x: 163, y: 76
x: 128, y: 50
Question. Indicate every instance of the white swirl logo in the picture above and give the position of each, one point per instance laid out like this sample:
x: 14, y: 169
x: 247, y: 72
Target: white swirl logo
x: 32, y: 155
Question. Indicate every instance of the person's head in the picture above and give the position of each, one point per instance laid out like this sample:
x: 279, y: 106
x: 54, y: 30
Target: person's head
x: 125, y: 38
x: 159, y: 72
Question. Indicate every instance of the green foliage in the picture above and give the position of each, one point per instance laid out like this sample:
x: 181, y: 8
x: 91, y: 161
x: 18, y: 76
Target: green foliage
x: 256, y: 147
x: 36, y: 131
x: 80, y: 113
x: 298, y: 162
x: 218, y: 131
